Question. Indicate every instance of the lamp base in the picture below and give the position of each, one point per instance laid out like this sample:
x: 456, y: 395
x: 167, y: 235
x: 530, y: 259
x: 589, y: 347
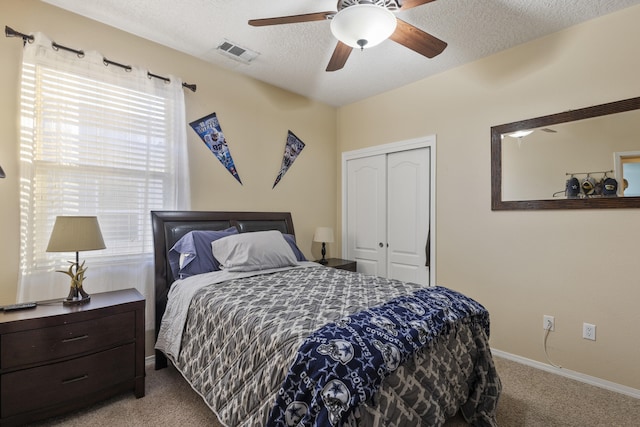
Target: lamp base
x: 323, y: 261
x: 76, y: 301
x: 77, y: 295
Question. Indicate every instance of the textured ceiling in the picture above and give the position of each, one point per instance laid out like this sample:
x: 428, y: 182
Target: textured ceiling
x: 295, y: 56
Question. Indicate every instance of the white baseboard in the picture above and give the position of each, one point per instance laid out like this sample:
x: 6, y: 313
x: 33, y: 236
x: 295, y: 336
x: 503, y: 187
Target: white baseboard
x: 598, y: 382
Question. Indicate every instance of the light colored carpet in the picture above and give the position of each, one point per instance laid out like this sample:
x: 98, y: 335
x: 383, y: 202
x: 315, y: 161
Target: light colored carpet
x: 530, y: 398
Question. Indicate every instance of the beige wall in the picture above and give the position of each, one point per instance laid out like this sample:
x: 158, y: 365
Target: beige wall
x: 576, y: 265
x: 579, y: 266
x: 254, y: 116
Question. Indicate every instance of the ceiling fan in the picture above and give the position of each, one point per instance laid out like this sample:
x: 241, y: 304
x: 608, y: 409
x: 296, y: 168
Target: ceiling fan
x: 364, y: 24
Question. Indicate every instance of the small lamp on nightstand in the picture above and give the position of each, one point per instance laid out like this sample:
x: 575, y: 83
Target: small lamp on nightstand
x: 75, y: 234
x: 324, y: 235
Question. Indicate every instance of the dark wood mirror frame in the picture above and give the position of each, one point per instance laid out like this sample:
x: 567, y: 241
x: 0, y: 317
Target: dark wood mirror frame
x: 568, y: 116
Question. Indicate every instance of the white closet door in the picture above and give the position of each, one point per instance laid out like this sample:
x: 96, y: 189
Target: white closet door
x: 408, y: 197
x: 389, y: 208
x: 366, y: 214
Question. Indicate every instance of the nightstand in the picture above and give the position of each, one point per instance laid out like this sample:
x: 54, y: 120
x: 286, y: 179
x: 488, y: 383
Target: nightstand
x: 56, y: 358
x: 341, y: 264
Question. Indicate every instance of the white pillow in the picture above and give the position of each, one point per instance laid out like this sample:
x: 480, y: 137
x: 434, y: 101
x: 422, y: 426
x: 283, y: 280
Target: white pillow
x: 259, y: 250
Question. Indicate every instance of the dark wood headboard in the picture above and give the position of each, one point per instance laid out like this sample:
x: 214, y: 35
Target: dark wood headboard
x: 170, y: 226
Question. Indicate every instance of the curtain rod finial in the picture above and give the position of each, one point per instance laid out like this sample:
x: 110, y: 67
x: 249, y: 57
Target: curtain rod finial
x: 191, y: 87
x: 10, y: 32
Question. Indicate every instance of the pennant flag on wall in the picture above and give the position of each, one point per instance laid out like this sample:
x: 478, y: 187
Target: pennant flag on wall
x: 291, y: 151
x: 210, y: 131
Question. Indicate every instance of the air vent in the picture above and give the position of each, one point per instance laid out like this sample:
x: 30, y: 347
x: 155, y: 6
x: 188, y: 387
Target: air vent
x: 236, y: 52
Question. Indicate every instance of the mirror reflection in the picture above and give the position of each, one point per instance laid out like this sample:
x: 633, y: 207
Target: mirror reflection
x: 584, y: 158
x: 596, y: 157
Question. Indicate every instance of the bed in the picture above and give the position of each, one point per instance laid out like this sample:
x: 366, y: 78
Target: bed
x: 294, y: 343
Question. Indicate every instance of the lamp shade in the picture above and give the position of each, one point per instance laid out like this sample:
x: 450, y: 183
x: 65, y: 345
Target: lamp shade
x: 363, y: 25
x: 323, y: 234
x: 75, y: 234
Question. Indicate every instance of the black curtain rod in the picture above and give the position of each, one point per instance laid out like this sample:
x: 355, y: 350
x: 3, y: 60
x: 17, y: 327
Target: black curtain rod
x: 10, y: 32
x: 57, y: 46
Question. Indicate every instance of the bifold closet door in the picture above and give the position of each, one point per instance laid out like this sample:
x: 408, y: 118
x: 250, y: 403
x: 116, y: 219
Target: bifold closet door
x: 408, y: 215
x: 366, y: 214
x: 388, y: 204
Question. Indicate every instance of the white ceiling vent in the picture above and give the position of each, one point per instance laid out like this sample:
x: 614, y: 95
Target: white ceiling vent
x: 236, y: 52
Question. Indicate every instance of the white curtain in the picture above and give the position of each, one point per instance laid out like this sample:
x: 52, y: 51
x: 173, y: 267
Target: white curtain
x: 97, y: 140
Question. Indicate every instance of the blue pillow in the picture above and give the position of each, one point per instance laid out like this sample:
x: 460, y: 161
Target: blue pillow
x: 195, y: 247
x: 291, y: 240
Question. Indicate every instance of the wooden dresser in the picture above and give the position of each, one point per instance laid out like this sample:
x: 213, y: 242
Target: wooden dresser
x: 55, y: 358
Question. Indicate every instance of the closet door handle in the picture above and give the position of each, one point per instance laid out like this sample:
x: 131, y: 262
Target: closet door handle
x: 381, y: 245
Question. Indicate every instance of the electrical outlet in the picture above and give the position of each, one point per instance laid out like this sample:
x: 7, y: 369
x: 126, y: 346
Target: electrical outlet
x: 589, y: 331
x: 548, y: 322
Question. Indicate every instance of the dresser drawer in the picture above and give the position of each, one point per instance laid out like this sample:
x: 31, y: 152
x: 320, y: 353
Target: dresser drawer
x: 47, y: 344
x: 50, y: 385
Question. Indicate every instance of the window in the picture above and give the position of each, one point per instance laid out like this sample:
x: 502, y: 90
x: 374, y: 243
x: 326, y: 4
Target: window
x: 96, y: 140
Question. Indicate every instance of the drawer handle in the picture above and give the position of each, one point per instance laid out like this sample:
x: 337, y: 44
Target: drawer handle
x: 76, y: 379
x: 81, y: 337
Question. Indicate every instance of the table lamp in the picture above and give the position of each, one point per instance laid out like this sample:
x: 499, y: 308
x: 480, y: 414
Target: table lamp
x: 324, y: 235
x: 75, y: 234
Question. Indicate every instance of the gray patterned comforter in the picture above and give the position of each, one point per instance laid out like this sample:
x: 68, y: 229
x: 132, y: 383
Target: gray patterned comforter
x: 242, y: 335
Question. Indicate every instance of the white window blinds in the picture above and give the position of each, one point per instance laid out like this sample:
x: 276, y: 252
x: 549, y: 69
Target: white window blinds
x: 96, y: 140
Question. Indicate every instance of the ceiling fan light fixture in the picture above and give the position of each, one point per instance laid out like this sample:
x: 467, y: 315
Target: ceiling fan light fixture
x: 363, y: 25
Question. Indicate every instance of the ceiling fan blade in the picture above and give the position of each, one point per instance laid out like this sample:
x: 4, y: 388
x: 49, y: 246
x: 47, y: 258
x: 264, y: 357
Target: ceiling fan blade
x: 417, y: 40
x: 339, y: 57
x: 307, y: 17
x: 408, y: 4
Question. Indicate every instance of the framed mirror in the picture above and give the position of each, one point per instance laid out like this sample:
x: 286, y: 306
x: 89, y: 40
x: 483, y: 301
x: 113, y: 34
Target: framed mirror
x: 579, y: 159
